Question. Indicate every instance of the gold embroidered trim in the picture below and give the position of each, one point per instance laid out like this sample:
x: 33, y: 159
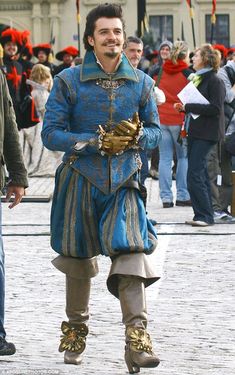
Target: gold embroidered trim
x: 110, y: 84
x: 139, y: 340
x: 73, y: 339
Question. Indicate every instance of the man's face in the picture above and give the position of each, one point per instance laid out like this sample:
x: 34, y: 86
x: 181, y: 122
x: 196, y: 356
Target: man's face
x: 10, y: 49
x: 108, y: 38
x: 165, y: 53
x: 67, y: 59
x: 134, y: 53
x: 42, y: 56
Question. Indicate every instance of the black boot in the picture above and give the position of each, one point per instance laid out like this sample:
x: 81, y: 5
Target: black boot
x: 6, y: 348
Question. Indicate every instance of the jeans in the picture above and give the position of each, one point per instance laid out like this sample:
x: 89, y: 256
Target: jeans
x: 198, y: 179
x: 166, y: 147
x: 2, y: 280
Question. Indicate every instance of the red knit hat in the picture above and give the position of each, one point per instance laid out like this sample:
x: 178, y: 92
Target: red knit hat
x: 223, y: 50
x: 68, y: 50
x: 27, y: 50
x: 11, y: 35
x: 42, y: 47
x: 230, y: 50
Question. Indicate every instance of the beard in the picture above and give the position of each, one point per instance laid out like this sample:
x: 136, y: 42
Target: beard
x: 112, y: 55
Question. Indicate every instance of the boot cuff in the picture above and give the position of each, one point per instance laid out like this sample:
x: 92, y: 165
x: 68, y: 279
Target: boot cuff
x: 76, y: 268
x: 132, y: 265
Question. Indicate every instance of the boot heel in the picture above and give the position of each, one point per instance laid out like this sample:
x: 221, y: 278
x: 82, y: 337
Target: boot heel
x: 138, y: 350
x: 132, y: 368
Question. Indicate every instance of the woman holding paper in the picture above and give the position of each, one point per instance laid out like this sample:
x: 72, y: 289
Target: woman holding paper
x: 173, y: 78
x: 204, y: 131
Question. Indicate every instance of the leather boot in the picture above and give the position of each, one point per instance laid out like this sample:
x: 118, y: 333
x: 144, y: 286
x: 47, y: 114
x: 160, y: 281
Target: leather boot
x: 75, y: 331
x: 138, y: 349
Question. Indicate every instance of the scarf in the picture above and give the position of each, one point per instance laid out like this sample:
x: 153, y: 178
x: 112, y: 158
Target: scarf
x: 197, y: 78
x: 171, y: 68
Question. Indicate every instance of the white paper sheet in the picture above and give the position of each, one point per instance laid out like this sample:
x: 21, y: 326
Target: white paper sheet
x: 190, y: 94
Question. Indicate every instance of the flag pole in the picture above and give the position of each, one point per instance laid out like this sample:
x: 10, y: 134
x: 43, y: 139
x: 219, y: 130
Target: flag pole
x: 78, y: 26
x: 213, y: 19
x: 141, y: 18
x: 191, y: 13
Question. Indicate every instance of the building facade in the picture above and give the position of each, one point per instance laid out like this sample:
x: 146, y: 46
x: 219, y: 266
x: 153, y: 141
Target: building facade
x: 56, y: 20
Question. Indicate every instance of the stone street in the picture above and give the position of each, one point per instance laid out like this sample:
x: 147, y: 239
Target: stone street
x: 191, y: 309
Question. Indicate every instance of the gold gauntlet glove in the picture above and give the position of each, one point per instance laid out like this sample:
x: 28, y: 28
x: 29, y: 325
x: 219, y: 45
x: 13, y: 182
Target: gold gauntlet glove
x: 125, y: 135
x: 113, y: 144
x: 129, y: 127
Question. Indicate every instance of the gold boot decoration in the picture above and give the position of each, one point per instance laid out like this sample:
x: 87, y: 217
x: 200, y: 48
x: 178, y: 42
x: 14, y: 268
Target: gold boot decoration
x: 74, y: 338
x: 138, y: 351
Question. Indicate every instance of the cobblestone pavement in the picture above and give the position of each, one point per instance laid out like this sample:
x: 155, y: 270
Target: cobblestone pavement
x: 191, y: 314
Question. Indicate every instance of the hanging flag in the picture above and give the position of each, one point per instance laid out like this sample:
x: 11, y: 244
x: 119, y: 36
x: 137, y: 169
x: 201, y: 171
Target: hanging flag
x: 191, y: 14
x: 142, y: 26
x: 213, y: 16
x: 213, y: 20
x: 78, y: 11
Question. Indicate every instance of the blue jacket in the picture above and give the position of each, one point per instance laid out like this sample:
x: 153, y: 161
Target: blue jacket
x: 85, y: 96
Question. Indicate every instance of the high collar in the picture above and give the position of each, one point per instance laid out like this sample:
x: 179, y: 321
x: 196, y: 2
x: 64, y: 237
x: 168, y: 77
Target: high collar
x: 91, y: 69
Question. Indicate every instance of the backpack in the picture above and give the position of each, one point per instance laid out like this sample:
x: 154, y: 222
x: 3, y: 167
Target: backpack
x: 28, y: 115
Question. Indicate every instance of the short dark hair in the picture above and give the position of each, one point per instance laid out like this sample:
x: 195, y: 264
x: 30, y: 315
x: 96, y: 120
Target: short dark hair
x: 132, y: 39
x: 103, y: 10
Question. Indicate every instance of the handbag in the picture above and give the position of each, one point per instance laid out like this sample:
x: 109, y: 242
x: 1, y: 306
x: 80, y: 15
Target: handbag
x: 28, y: 113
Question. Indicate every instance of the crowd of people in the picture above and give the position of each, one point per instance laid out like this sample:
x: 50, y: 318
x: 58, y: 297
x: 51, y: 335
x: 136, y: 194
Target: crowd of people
x: 29, y: 84
x: 80, y: 115
x: 197, y: 153
x: 171, y: 67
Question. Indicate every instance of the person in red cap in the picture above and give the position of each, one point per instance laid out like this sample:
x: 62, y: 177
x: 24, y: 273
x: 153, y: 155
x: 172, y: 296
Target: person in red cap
x: 12, y: 45
x: 223, y: 52
x: 42, y: 52
x: 230, y: 53
x: 26, y: 53
x: 66, y: 55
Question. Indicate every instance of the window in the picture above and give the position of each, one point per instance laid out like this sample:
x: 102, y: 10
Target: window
x: 221, y: 30
x: 161, y: 28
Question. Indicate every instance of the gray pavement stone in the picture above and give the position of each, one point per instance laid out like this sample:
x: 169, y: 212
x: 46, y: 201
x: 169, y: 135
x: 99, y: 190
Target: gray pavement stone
x: 191, y: 314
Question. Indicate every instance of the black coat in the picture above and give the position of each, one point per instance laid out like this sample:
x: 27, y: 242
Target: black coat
x: 60, y: 67
x: 210, y: 124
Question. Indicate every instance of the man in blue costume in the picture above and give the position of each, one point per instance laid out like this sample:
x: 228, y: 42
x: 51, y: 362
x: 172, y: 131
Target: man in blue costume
x: 101, y: 113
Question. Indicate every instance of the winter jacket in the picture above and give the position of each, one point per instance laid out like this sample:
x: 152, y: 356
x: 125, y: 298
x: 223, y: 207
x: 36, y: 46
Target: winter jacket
x: 173, y: 79
x: 229, y: 81
x: 10, y: 150
x: 210, y: 124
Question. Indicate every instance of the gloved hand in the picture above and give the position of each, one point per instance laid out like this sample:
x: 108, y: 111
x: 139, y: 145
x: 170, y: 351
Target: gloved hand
x: 113, y: 144
x: 129, y: 127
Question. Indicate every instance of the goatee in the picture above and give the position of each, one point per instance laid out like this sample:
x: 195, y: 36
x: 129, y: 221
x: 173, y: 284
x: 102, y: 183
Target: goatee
x: 111, y: 55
